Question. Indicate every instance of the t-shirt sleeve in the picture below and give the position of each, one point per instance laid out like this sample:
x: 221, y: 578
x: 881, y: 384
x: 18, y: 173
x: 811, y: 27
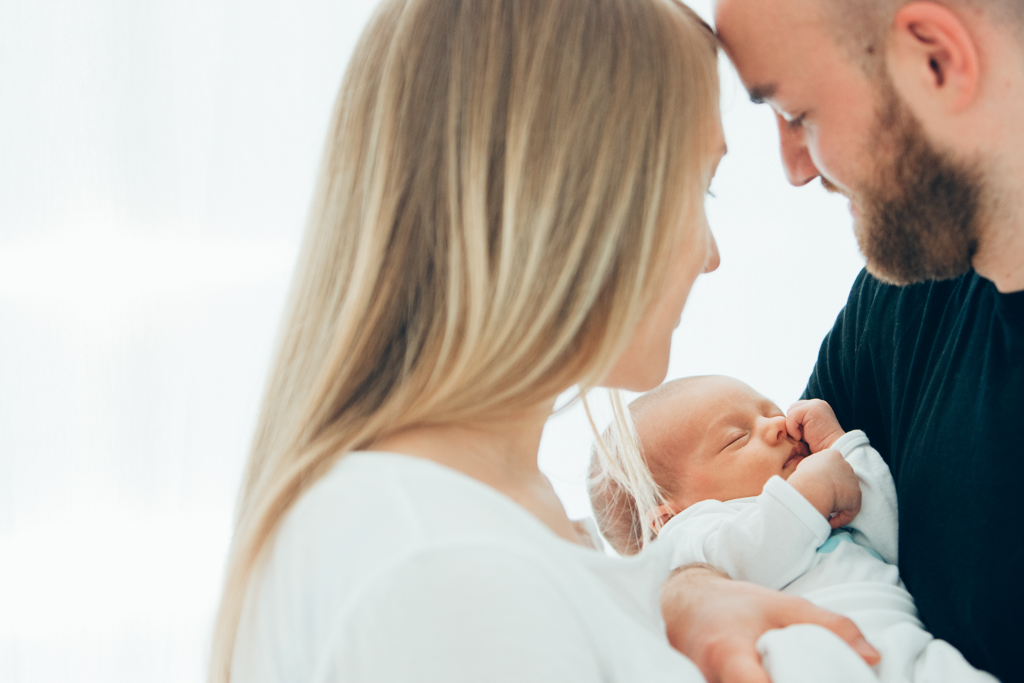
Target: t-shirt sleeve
x: 462, y: 615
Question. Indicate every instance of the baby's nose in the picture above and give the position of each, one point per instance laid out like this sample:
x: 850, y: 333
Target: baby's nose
x: 775, y: 429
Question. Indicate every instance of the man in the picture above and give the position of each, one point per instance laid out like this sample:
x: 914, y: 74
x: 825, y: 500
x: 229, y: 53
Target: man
x: 915, y: 112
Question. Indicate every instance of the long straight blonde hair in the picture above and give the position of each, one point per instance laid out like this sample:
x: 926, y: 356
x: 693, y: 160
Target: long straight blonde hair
x: 503, y: 186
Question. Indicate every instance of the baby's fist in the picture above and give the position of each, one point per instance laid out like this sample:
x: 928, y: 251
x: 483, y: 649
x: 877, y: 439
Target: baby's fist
x: 829, y: 483
x: 813, y: 422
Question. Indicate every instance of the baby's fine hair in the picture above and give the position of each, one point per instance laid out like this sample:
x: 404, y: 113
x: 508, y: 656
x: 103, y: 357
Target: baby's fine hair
x: 622, y: 490
x: 626, y: 481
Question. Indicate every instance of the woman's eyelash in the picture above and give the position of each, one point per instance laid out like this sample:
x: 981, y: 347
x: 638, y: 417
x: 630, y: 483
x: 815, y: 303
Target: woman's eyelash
x: 711, y: 194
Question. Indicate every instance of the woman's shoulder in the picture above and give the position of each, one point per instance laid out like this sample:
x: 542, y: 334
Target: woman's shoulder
x: 372, y: 497
x: 389, y: 547
x: 376, y: 515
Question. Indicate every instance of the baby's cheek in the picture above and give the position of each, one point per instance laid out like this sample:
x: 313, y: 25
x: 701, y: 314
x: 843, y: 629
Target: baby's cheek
x: 753, y: 480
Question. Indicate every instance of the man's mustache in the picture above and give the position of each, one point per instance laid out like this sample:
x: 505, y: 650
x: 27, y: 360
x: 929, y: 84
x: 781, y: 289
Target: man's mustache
x: 829, y: 186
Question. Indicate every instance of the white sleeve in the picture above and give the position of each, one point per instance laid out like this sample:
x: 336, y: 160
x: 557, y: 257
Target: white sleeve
x: 876, y: 526
x: 462, y: 615
x: 770, y: 541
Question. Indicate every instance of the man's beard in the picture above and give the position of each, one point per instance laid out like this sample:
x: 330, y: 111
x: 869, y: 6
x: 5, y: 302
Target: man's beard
x: 920, y: 212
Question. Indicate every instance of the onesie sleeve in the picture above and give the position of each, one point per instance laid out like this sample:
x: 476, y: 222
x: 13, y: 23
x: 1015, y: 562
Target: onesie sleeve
x: 769, y: 540
x: 461, y: 616
x: 876, y: 526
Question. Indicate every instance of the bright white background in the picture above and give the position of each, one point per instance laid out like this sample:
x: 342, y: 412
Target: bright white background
x: 156, y: 161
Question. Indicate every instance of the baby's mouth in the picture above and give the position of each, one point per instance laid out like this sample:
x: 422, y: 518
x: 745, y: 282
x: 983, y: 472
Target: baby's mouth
x: 799, y: 452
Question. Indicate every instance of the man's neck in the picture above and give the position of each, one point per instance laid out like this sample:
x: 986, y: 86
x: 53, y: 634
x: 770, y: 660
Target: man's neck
x: 1000, y: 256
x: 1002, y: 261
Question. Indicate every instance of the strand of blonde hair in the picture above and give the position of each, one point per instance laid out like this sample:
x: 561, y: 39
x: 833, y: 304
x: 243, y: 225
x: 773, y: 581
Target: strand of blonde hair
x: 501, y: 189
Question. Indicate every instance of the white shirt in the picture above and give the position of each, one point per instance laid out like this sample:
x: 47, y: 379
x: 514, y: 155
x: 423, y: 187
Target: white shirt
x: 393, y: 568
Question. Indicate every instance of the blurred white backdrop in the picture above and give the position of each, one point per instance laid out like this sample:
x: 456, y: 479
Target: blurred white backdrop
x: 156, y: 161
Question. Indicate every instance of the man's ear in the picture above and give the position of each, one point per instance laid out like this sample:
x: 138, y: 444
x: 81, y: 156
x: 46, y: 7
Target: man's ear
x: 659, y: 517
x: 933, y: 58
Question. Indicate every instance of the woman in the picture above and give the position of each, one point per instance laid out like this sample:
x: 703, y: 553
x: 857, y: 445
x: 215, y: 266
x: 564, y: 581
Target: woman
x: 511, y: 204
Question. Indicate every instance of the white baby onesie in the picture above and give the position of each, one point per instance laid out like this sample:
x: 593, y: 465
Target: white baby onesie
x: 780, y: 541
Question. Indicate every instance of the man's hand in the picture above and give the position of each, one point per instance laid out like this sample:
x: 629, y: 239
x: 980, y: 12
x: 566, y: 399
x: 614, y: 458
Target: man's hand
x: 828, y: 483
x: 716, y: 623
x: 813, y: 421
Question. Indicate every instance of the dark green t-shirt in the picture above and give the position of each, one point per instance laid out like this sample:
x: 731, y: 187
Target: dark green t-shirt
x: 934, y: 374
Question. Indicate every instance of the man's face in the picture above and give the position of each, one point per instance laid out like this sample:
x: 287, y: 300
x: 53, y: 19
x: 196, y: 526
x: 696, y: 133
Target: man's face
x: 919, y: 215
x: 914, y: 208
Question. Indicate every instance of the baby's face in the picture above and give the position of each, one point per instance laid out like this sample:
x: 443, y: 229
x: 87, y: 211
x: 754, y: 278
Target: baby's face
x: 715, y: 438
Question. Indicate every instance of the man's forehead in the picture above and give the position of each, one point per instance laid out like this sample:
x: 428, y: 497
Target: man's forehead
x: 767, y: 14
x: 771, y: 42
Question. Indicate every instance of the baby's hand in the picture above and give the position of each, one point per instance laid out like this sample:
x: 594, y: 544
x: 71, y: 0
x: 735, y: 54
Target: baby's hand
x: 829, y: 483
x: 814, y: 422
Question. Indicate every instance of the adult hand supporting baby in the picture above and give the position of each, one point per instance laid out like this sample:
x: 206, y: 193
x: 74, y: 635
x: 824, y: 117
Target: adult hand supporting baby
x: 716, y: 622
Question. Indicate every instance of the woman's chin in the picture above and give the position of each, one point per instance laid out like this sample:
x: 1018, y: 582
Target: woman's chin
x: 643, y: 379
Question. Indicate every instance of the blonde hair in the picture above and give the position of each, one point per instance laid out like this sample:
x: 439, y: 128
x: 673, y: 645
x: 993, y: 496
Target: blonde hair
x: 626, y: 480
x: 623, y: 491
x: 495, y: 212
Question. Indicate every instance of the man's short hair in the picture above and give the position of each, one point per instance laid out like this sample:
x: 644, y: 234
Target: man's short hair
x: 862, y: 26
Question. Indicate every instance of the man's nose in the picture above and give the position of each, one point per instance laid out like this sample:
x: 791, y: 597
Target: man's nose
x: 796, y: 159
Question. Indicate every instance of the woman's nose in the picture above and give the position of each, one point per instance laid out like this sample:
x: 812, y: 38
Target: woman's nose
x: 712, y: 259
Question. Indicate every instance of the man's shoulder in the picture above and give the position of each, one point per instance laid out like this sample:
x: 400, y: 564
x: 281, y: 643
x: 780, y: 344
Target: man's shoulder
x: 903, y: 309
x: 883, y: 331
x: 868, y: 290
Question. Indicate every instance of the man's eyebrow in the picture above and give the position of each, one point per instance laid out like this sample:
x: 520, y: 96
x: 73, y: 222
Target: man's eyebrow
x: 760, y: 93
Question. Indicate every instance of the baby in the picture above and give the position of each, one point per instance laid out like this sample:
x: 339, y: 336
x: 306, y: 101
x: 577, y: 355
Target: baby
x: 788, y: 502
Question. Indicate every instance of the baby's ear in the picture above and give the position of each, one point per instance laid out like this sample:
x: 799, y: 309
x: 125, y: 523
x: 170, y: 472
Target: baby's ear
x: 659, y: 516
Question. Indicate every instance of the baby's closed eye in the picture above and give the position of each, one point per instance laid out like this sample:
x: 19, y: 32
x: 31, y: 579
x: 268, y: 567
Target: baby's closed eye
x: 734, y: 439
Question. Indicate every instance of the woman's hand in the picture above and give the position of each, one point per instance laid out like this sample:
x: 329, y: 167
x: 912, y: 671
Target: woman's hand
x: 814, y: 422
x: 716, y: 622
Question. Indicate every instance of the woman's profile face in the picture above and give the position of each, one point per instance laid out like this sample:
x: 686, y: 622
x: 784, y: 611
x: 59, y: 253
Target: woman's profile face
x: 644, y: 363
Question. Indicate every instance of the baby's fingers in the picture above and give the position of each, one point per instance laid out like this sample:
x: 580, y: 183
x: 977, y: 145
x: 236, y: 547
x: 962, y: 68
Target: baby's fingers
x: 795, y: 420
x: 841, y: 519
x: 794, y: 427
